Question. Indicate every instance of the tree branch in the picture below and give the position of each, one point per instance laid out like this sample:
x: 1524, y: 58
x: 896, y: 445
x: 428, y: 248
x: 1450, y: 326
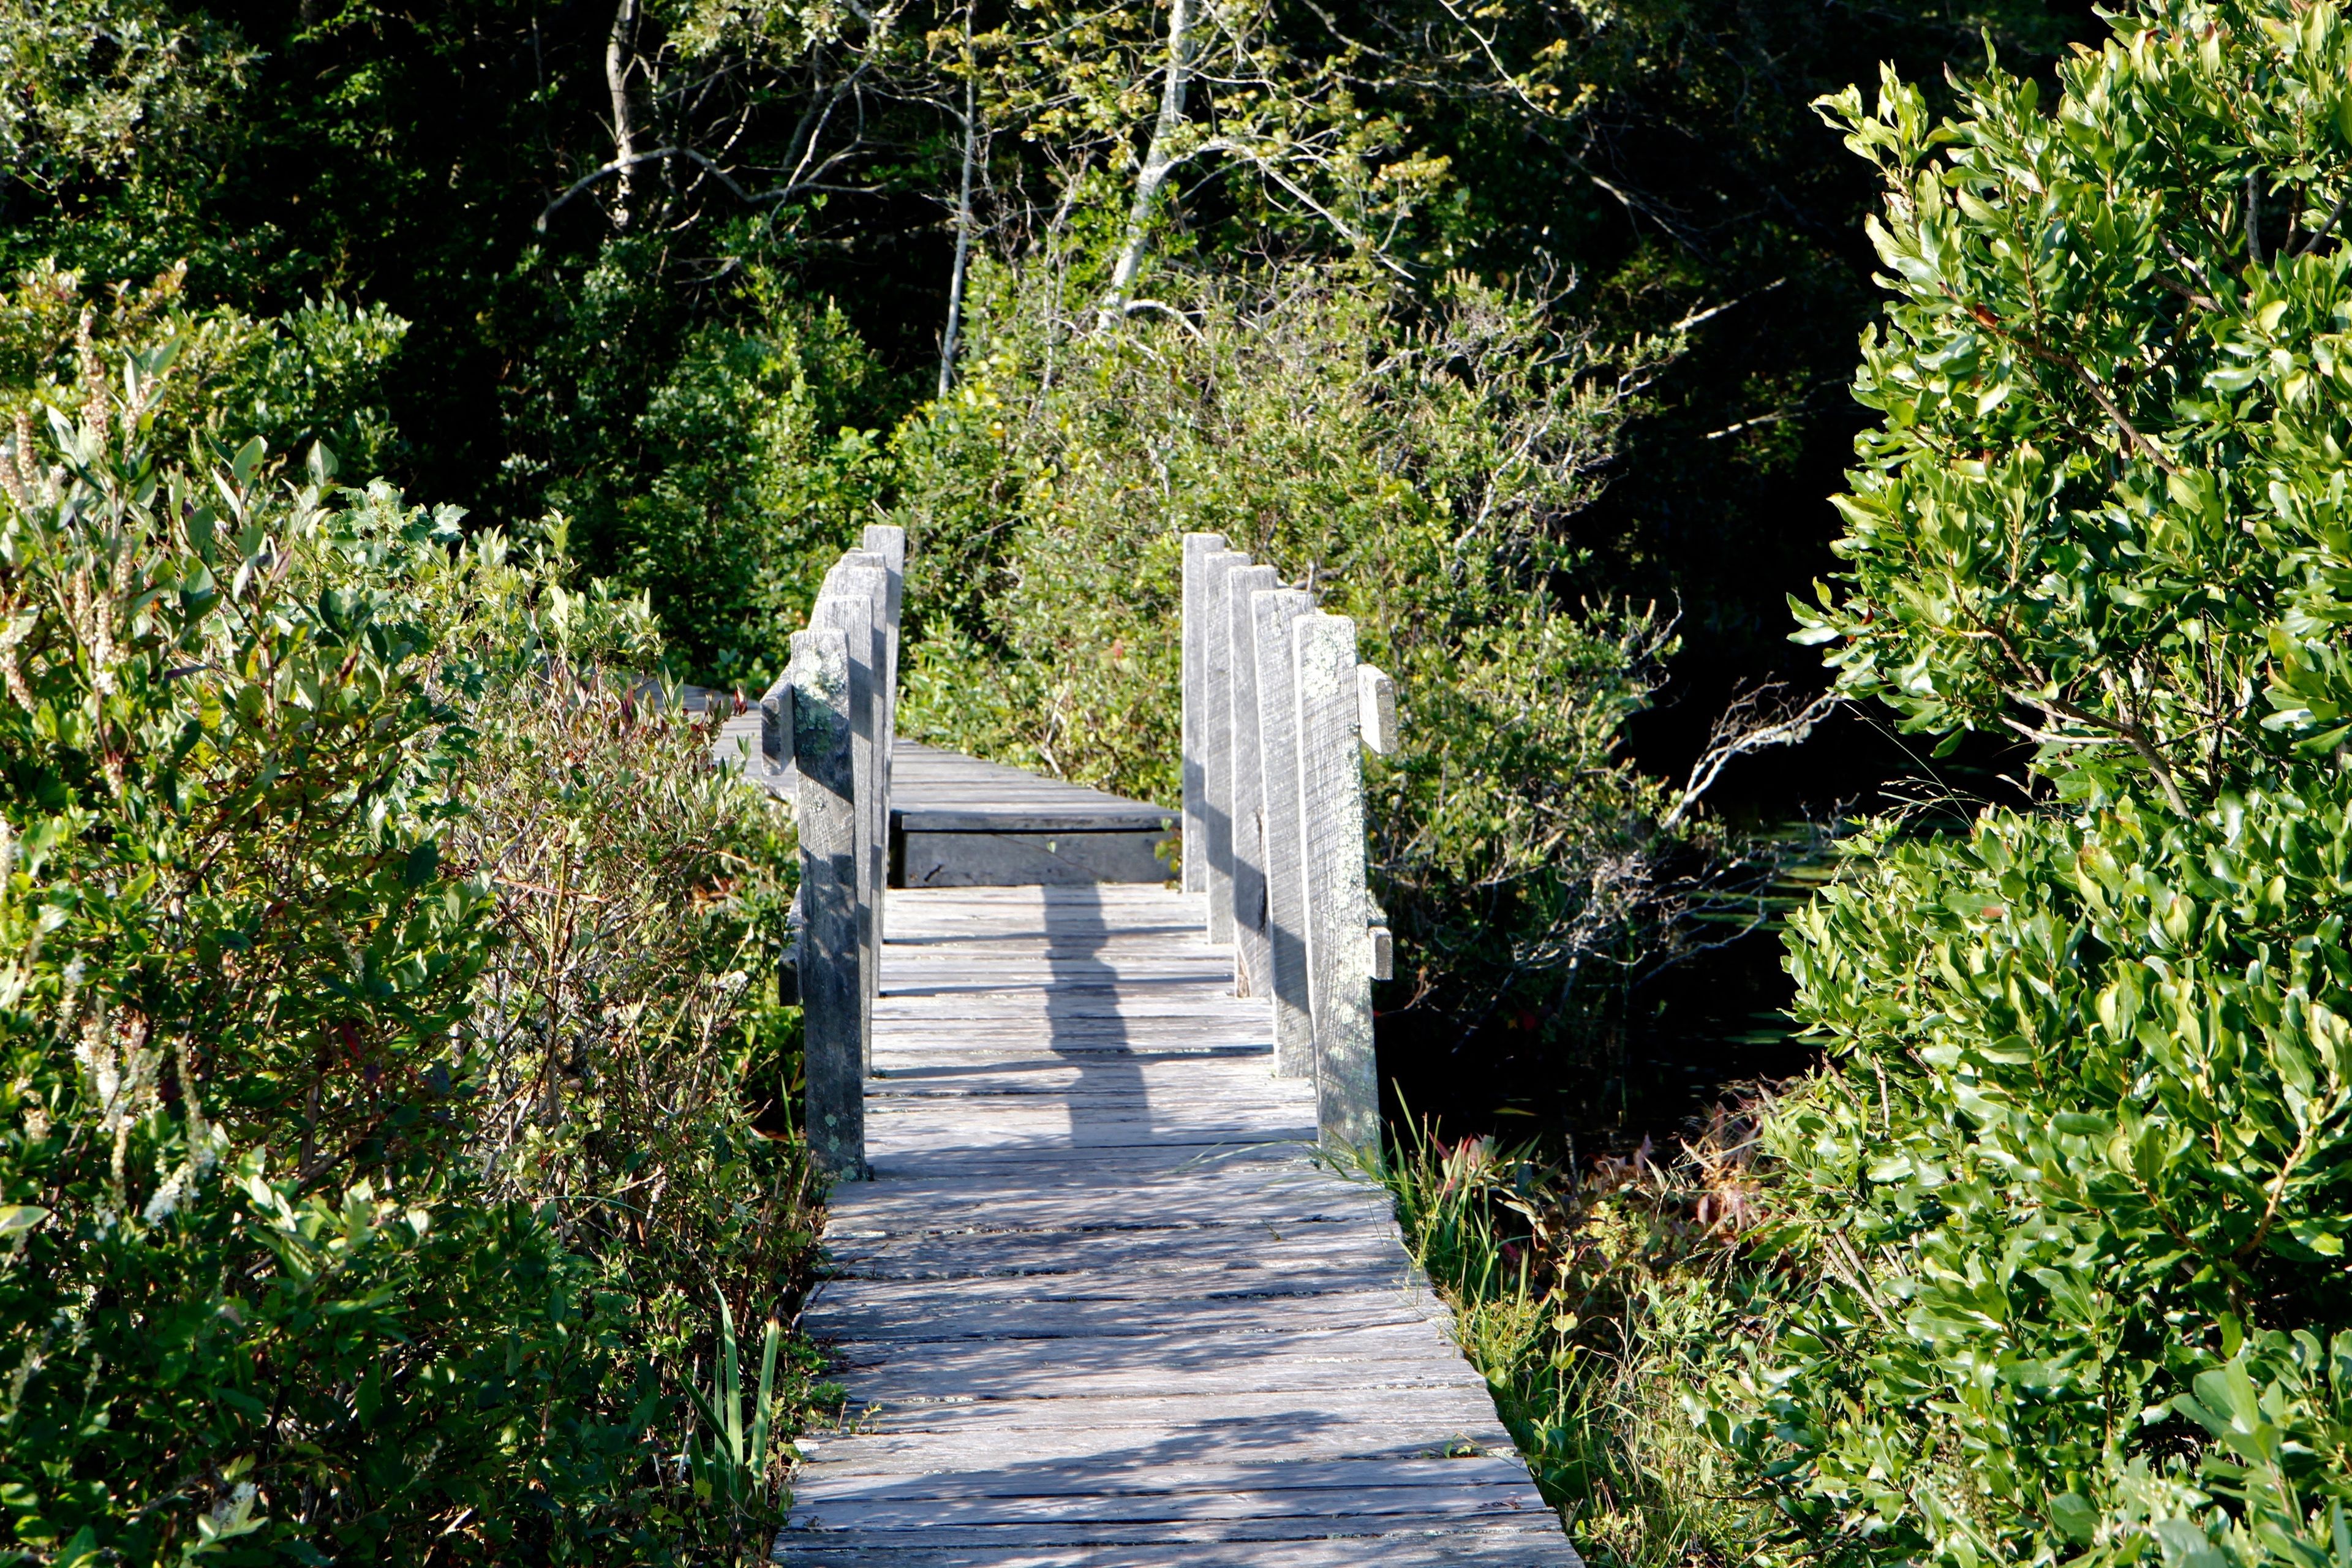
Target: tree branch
x: 616, y: 82
x: 622, y: 166
x: 1749, y: 724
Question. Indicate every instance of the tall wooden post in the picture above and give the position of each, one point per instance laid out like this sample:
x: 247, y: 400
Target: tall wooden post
x: 1252, y: 961
x: 1271, y: 613
x: 889, y: 541
x: 1338, y: 940
x: 832, y: 987
x: 1217, y: 738
x: 852, y: 603
x: 1194, y: 630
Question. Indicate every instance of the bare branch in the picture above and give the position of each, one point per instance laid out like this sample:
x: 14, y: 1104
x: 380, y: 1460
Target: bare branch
x: 1756, y: 721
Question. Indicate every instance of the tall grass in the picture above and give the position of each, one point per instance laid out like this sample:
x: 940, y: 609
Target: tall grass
x: 1591, y: 1306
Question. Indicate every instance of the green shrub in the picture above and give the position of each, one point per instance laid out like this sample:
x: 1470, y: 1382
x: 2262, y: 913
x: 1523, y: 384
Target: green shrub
x: 363, y: 1194
x: 1589, y: 1305
x: 1419, y: 468
x: 2055, y: 1264
x: 2065, y: 1223
x: 315, y: 374
x: 719, y: 482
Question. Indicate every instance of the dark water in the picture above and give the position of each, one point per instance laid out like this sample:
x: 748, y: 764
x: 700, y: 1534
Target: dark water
x: 1645, y: 1057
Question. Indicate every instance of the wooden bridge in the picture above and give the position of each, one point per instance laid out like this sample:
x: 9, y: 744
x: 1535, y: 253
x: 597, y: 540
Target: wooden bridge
x: 1107, y: 1285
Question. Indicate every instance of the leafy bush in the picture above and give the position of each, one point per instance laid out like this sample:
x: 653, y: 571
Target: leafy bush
x: 2068, y: 1218
x: 1420, y: 470
x: 2055, y: 1269
x: 1590, y: 1301
x: 315, y: 374
x: 721, y: 486
x: 331, y: 1224
x: 2048, y: 1263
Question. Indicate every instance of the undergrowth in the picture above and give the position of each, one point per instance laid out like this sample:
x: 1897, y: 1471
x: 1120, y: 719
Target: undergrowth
x: 1592, y: 1305
x: 388, y: 1034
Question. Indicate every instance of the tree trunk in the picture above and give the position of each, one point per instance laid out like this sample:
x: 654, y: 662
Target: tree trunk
x: 963, y: 221
x: 616, y: 81
x: 1158, y: 159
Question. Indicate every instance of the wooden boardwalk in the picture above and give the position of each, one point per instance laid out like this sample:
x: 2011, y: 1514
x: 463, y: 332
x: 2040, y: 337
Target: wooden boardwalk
x: 1099, y: 1305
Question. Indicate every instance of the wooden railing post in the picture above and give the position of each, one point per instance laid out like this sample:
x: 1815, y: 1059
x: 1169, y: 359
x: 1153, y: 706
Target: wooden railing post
x: 825, y: 734
x: 889, y: 541
x: 1217, y: 738
x: 1339, y: 934
x: 1272, y: 611
x: 834, y: 1024
x: 1252, y: 961
x: 851, y: 603
x: 1194, y: 630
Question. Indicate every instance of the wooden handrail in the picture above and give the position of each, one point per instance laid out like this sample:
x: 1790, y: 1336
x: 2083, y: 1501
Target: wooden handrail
x: 828, y: 721
x: 1276, y: 709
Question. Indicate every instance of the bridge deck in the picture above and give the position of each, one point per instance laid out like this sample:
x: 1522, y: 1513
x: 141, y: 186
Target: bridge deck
x: 1098, y: 1306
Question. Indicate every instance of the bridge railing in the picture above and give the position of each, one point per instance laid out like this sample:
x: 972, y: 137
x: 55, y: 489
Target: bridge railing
x: 827, y: 724
x: 1277, y: 707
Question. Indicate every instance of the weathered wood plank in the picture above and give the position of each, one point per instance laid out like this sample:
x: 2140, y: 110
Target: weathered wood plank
x: 1371, y: 1534
x: 1405, y: 1546
x: 1027, y: 855
x: 1197, y: 548
x: 850, y: 604
x: 832, y: 993
x: 1285, y: 871
x: 1217, y: 739
x: 901, y: 1314
x: 1338, y: 948
x: 1252, y: 965
x: 1100, y: 1305
x: 1260, y: 1423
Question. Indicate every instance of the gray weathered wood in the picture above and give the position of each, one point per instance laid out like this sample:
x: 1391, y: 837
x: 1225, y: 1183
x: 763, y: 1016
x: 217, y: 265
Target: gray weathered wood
x: 1217, y: 738
x: 1003, y: 859
x: 1286, y: 885
x: 944, y: 791
x: 888, y: 543
x: 1193, y: 631
x: 851, y: 601
x: 776, y: 725
x: 1253, y: 965
x: 832, y: 992
x: 1376, y: 712
x: 1101, y: 1303
x: 1331, y: 810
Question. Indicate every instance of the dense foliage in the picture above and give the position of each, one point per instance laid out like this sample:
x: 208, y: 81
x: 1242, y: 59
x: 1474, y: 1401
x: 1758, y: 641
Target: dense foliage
x: 2048, y: 1263
x: 382, y: 990
x: 1420, y: 469
x: 684, y: 272
x: 2075, y: 1185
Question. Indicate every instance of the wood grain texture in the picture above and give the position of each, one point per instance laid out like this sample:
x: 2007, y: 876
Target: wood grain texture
x: 934, y: 790
x: 1027, y: 856
x: 831, y: 991
x: 1271, y: 613
x: 1197, y: 548
x: 1252, y: 966
x: 888, y: 543
x: 850, y: 603
x: 1217, y: 738
x: 1338, y: 941
x: 1100, y: 1305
